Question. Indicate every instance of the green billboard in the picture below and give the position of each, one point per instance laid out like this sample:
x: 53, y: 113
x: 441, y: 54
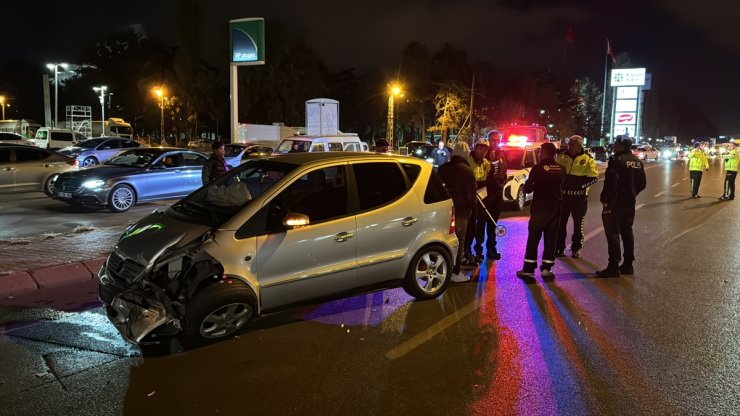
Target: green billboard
x: 247, y: 39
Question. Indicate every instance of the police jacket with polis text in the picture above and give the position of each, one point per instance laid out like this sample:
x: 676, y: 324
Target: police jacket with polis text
x: 545, y: 180
x: 580, y: 173
x: 624, y: 179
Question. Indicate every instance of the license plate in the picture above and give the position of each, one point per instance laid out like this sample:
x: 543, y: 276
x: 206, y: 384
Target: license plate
x: 64, y: 195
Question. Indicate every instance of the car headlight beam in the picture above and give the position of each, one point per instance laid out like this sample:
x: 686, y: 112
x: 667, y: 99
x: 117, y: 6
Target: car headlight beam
x: 94, y: 184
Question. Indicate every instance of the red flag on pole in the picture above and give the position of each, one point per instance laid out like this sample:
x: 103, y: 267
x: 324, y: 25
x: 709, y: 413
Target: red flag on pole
x: 569, y: 33
x: 610, y: 51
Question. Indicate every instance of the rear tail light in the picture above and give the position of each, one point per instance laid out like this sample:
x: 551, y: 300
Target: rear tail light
x: 73, y: 162
x: 452, y: 221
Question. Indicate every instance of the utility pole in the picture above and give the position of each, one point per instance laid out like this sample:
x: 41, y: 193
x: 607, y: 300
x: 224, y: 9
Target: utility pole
x: 472, y: 103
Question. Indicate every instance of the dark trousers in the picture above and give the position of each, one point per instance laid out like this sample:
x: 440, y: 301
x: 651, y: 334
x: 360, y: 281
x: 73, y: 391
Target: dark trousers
x: 476, y: 229
x: 461, y: 228
x: 730, y: 184
x: 577, y: 208
x: 695, y: 176
x: 493, y: 203
x: 618, y: 224
x: 544, y: 225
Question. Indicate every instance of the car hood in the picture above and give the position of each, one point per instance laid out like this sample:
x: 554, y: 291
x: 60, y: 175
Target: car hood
x: 71, y: 150
x: 102, y: 172
x: 149, y: 238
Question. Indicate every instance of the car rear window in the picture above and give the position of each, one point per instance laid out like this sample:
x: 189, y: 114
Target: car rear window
x: 436, y: 191
x: 412, y: 171
x: 378, y: 183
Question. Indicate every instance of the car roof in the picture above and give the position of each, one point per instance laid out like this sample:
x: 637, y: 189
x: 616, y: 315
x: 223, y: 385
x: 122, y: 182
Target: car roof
x: 303, y: 158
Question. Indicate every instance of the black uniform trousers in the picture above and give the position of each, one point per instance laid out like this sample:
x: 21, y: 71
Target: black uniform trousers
x: 618, y: 224
x: 730, y: 184
x: 542, y: 225
x: 461, y: 228
x: 575, y: 206
x: 695, y: 176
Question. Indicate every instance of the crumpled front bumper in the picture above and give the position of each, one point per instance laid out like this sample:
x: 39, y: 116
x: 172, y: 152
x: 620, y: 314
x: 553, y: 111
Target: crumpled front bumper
x: 133, y: 313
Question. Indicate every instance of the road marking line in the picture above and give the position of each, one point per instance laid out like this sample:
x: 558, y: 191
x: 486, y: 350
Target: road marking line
x: 429, y: 333
x: 600, y: 230
x: 659, y: 194
x: 675, y: 184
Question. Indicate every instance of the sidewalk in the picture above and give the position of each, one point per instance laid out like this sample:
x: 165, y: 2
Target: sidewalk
x: 53, y: 260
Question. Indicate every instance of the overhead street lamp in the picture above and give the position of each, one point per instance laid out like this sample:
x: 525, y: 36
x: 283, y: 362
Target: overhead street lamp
x: 102, y: 90
x: 160, y: 92
x: 394, y: 90
x: 55, y: 67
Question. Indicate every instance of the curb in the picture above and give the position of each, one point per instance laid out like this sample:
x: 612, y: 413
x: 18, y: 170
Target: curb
x: 22, y: 282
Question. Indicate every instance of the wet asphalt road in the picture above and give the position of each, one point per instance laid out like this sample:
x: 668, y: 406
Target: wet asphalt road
x: 663, y: 342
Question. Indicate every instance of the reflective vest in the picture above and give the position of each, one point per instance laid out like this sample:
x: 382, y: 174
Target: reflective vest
x: 480, y: 170
x: 580, y: 173
x: 732, y: 158
x: 698, y: 160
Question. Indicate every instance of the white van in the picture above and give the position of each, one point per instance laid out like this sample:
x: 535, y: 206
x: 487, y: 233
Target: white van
x: 50, y: 138
x: 343, y: 143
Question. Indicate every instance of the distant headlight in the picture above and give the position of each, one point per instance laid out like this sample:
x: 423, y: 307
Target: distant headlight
x: 667, y: 154
x: 429, y: 159
x: 97, y: 183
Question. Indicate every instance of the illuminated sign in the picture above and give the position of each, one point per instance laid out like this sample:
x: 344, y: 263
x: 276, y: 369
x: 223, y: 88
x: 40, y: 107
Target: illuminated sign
x: 628, y: 130
x: 625, y: 118
x: 626, y: 106
x: 628, y: 77
x: 627, y: 93
x: 247, y: 41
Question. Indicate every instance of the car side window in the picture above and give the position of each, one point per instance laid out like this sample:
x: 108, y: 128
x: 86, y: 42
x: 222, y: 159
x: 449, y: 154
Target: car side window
x: 412, y: 171
x: 113, y: 144
x: 193, y: 159
x: 321, y: 195
x: 127, y: 144
x: 335, y: 147
x: 351, y: 147
x: 378, y: 183
x: 436, y: 191
x: 27, y: 155
x: 318, y: 147
x: 62, y: 136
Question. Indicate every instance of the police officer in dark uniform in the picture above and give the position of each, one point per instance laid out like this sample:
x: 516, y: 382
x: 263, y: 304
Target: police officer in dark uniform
x: 545, y: 181
x: 624, y: 179
x: 495, y: 189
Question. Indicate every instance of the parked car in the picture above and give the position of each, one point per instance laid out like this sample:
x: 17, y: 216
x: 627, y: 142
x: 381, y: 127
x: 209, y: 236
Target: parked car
x: 50, y: 138
x: 646, y: 153
x: 341, y: 143
x: 414, y: 148
x: 237, y: 153
x: 137, y: 175
x: 14, y: 138
x: 94, y: 151
x: 24, y: 167
x: 599, y: 153
x: 424, y: 152
x: 519, y: 163
x: 275, y: 233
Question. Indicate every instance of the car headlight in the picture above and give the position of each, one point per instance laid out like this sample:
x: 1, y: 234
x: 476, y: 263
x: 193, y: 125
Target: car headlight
x: 429, y: 159
x: 667, y: 154
x: 94, y: 184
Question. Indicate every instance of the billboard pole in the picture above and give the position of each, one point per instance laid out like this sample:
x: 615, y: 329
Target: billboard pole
x: 234, y: 92
x: 247, y: 42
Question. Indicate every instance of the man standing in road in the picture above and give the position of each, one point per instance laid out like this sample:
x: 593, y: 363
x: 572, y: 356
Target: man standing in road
x: 478, y: 218
x: 697, y: 164
x: 623, y: 181
x: 545, y: 181
x: 440, y: 155
x: 460, y: 182
x: 216, y: 164
x: 732, y: 159
x: 495, y: 188
x: 580, y: 174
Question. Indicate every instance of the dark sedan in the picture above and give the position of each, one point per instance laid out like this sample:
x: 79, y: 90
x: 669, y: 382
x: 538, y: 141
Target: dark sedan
x: 132, y: 176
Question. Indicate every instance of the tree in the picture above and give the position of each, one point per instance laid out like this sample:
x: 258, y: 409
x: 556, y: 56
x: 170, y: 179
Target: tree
x: 585, y: 103
x: 452, y: 107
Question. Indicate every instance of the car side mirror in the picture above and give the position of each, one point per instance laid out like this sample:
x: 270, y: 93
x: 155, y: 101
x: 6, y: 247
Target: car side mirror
x: 295, y: 220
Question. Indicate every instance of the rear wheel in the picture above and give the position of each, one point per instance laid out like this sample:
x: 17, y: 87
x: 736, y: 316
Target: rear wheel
x: 89, y: 161
x: 219, y: 310
x: 121, y: 198
x: 429, y: 273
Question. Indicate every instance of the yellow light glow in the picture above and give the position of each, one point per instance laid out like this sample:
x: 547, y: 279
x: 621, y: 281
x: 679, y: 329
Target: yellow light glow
x: 159, y: 91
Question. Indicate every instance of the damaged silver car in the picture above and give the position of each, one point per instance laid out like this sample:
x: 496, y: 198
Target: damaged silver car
x: 279, y: 233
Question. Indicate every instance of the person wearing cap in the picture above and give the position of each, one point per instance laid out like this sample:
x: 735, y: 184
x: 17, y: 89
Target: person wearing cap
x: 732, y: 159
x: 478, y: 218
x: 580, y: 174
x: 495, y: 182
x: 460, y: 183
x: 698, y: 163
x: 545, y: 180
x: 623, y: 181
x: 440, y: 155
x: 381, y: 146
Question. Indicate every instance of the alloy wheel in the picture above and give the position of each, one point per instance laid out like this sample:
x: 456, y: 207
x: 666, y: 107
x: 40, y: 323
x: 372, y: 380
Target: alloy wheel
x: 431, y: 272
x: 225, y: 320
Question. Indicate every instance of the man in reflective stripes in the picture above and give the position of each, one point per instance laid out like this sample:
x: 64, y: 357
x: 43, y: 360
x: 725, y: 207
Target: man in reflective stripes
x: 545, y: 181
x: 697, y: 164
x: 732, y: 159
x: 580, y: 174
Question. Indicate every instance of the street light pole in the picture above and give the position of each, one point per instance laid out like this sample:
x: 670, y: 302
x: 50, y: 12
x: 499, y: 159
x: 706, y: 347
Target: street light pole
x: 102, y: 107
x: 2, y: 102
x: 55, y: 67
x: 160, y: 92
x: 394, y: 91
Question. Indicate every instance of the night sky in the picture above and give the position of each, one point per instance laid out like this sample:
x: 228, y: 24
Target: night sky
x: 692, y: 48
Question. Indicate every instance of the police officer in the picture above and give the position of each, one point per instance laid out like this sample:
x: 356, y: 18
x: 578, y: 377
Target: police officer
x: 580, y: 174
x: 624, y: 179
x: 545, y: 180
x: 440, y: 155
x: 478, y: 218
x: 495, y: 188
x: 732, y: 159
x: 697, y: 163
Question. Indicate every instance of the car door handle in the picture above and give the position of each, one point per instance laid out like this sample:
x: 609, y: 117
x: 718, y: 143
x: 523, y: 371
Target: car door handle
x: 343, y: 236
x: 409, y: 221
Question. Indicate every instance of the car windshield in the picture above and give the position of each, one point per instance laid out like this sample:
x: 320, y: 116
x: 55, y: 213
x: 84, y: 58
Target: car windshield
x: 514, y: 158
x: 293, y: 146
x: 138, y: 158
x: 90, y: 143
x: 232, y: 150
x: 217, y: 202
